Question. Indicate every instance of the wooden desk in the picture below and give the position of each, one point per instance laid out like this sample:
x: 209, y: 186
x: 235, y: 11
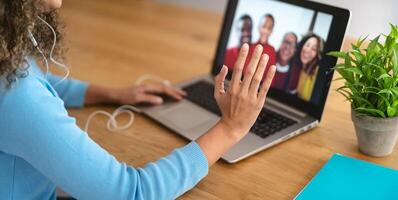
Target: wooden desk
x: 114, y: 43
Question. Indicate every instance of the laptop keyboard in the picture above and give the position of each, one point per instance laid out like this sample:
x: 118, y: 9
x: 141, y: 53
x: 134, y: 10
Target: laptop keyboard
x: 268, y: 122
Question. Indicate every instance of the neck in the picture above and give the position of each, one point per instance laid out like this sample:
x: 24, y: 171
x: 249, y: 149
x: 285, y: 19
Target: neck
x: 262, y: 42
x: 307, y: 68
x: 283, y: 62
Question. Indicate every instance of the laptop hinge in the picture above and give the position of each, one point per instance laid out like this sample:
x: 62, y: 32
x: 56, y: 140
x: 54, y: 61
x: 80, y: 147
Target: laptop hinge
x: 286, y: 107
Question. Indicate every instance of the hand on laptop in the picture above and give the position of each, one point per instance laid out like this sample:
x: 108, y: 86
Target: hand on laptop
x: 145, y: 93
x: 148, y: 93
x: 240, y: 104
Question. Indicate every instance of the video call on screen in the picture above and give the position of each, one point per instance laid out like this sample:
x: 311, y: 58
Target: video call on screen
x: 292, y: 36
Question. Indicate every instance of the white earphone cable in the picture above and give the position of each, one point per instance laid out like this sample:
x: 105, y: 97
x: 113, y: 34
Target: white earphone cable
x: 58, y: 64
x: 44, y: 59
x: 112, y: 124
x: 145, y: 77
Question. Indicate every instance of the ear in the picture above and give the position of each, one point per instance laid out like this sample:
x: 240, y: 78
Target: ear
x: 50, y: 5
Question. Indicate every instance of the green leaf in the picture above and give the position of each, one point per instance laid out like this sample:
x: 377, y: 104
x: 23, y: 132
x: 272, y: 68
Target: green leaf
x: 354, y: 70
x: 362, y: 101
x: 360, y: 41
x: 390, y: 41
x: 338, y: 54
x: 348, y: 76
x: 347, y: 62
x: 391, y: 112
x: 395, y: 91
x: 394, y: 30
x: 386, y: 91
x: 373, y: 47
x: 359, y: 57
x: 388, y: 82
x: 373, y: 112
x: 383, y: 76
x: 382, y: 98
x: 381, y: 69
x: 395, y: 59
x: 395, y: 104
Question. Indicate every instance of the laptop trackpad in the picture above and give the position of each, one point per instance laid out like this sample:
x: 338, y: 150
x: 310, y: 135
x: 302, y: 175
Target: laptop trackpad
x: 186, y: 116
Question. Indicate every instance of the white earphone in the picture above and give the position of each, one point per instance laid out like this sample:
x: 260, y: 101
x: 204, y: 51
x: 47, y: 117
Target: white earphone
x: 46, y: 63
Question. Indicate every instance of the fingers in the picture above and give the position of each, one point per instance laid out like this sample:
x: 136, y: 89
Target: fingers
x: 258, y: 76
x: 181, y: 92
x: 238, y: 68
x: 148, y: 98
x: 219, y: 81
x: 251, y: 69
x: 177, y: 94
x: 173, y: 93
x: 266, y: 84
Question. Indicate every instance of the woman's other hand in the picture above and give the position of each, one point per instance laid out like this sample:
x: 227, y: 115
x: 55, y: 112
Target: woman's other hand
x: 145, y: 93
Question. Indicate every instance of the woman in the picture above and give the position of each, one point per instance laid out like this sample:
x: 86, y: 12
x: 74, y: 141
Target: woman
x: 41, y: 147
x: 305, y: 66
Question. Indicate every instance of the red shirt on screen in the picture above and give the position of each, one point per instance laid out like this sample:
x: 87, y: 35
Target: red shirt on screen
x: 230, y: 57
x: 279, y: 80
x: 232, y: 54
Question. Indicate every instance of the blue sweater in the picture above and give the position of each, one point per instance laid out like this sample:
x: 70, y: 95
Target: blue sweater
x: 41, y: 147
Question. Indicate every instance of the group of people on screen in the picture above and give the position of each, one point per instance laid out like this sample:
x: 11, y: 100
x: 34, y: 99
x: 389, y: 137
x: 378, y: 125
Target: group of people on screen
x: 297, y: 62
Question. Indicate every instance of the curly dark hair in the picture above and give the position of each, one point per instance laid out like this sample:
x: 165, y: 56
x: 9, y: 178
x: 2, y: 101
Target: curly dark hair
x: 17, y: 17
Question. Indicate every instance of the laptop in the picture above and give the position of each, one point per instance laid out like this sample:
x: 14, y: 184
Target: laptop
x: 296, y: 35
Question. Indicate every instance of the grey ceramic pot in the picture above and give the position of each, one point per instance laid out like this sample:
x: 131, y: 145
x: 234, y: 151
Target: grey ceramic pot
x: 376, y: 136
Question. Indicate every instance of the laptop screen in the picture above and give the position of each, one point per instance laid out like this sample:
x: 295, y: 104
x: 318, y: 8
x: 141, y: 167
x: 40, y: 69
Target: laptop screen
x: 296, y: 38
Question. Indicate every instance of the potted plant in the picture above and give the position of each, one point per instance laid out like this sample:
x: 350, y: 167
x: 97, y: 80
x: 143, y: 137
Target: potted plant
x: 371, y: 86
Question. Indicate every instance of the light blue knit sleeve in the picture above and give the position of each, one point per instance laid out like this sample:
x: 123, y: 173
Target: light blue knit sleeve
x: 40, y: 131
x: 71, y: 91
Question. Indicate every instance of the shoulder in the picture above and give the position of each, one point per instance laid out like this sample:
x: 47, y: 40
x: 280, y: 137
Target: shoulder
x: 31, y: 86
x: 24, y: 97
x: 27, y: 109
x: 270, y: 48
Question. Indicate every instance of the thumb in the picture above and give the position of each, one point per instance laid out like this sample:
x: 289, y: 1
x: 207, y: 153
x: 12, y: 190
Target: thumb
x: 219, y: 81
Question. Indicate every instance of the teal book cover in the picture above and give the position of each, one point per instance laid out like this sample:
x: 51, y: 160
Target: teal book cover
x: 348, y: 178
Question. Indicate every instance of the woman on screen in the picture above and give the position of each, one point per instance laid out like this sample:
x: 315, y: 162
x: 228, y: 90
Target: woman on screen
x: 305, y: 66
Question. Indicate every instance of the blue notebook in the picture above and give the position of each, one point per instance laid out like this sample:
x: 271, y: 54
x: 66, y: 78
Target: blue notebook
x: 348, y: 178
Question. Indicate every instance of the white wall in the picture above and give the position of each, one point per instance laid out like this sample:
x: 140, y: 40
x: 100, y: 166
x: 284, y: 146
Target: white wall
x: 369, y: 17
